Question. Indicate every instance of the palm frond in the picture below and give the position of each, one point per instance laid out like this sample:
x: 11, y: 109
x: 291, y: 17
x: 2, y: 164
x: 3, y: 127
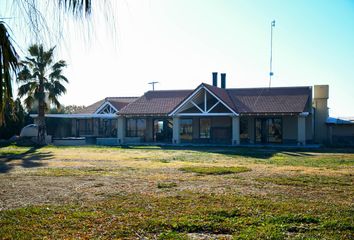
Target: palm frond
x: 8, y: 65
x: 29, y: 100
x: 27, y: 89
x: 77, y: 7
x: 24, y: 75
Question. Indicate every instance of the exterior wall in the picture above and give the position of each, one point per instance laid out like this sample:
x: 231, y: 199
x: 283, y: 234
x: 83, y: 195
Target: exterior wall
x: 290, y: 129
x: 341, y: 134
x: 343, y: 130
x: 149, y: 132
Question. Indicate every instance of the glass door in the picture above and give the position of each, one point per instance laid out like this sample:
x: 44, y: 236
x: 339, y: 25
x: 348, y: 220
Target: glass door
x: 268, y: 130
x: 162, y: 130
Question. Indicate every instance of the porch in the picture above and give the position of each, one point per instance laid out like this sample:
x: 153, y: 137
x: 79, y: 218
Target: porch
x: 242, y: 130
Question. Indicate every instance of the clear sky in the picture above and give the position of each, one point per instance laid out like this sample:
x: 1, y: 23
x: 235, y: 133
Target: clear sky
x: 180, y: 42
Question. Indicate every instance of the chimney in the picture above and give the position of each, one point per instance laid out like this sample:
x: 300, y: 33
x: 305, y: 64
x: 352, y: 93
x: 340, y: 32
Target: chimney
x: 223, y: 80
x: 215, y: 79
x: 320, y: 103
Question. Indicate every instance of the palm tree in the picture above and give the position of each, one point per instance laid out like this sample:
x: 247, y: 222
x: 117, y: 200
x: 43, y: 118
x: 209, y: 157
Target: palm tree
x: 42, y: 83
x: 8, y: 66
x: 8, y: 56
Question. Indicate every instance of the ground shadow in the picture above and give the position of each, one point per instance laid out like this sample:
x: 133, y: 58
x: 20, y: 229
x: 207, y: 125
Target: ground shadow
x: 260, y: 152
x: 30, y: 159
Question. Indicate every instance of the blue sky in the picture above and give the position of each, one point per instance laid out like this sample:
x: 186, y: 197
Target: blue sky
x: 179, y: 43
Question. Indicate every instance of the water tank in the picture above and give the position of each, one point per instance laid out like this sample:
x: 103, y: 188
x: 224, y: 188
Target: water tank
x: 321, y: 91
x: 29, y: 131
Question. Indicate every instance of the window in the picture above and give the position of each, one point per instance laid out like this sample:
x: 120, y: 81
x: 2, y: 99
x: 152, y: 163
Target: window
x: 204, y: 129
x: 136, y: 127
x: 244, y: 130
x: 85, y: 127
x: 107, y: 127
x: 186, y: 129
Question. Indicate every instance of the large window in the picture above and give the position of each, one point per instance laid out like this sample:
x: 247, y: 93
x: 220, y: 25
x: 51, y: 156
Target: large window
x: 274, y: 130
x: 85, y: 127
x: 136, y: 127
x: 186, y: 129
x: 204, y: 128
x: 269, y: 130
x: 107, y: 127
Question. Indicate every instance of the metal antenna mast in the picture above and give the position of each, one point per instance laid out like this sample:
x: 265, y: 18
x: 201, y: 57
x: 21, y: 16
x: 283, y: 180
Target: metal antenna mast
x: 153, y: 85
x: 272, y: 25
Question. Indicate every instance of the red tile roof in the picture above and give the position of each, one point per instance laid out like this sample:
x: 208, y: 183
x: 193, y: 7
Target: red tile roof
x: 284, y: 100
x: 271, y: 100
x: 156, y: 102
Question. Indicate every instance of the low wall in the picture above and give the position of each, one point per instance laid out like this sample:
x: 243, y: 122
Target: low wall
x: 107, y: 141
x: 69, y: 141
x: 133, y: 140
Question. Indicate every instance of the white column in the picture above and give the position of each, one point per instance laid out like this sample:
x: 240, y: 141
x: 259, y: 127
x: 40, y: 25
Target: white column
x: 235, y: 130
x: 301, y: 130
x: 120, y: 130
x: 176, y: 136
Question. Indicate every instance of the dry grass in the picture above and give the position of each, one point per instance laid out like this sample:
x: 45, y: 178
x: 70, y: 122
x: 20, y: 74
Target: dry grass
x: 172, y: 193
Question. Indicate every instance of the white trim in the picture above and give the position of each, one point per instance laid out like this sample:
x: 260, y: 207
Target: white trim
x: 78, y: 115
x: 196, y: 92
x: 185, y: 101
x: 201, y: 110
x: 221, y: 102
x: 304, y: 114
x: 213, y: 106
x: 205, y: 101
x: 104, y: 105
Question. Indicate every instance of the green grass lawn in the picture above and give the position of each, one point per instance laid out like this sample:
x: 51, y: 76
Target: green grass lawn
x: 175, y: 193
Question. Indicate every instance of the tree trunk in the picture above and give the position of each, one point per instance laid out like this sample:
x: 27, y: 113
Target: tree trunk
x: 41, y: 118
x: 1, y: 96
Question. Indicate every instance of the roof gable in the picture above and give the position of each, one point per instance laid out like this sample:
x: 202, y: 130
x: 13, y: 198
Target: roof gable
x: 200, y: 102
x: 116, y: 103
x: 106, y: 108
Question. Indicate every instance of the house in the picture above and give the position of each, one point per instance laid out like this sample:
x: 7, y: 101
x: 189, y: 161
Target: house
x: 208, y: 114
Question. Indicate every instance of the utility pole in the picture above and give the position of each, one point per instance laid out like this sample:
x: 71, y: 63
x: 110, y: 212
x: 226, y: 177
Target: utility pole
x: 272, y: 25
x: 153, y: 85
